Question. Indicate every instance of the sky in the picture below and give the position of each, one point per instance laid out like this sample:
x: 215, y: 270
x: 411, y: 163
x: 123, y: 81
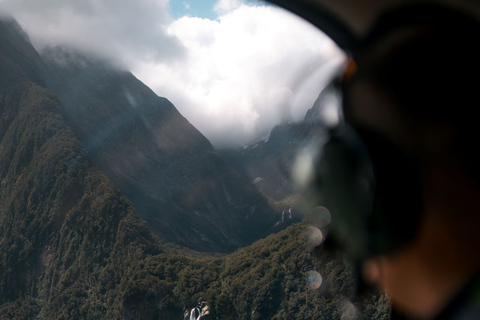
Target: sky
x: 194, y: 8
x: 202, y: 8
x: 233, y: 68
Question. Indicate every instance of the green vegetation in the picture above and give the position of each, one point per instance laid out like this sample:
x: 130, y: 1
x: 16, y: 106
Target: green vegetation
x: 72, y: 246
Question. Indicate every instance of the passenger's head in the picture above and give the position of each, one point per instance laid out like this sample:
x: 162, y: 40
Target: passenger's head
x: 417, y: 84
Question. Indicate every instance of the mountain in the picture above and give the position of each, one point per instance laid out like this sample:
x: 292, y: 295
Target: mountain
x: 63, y: 225
x: 168, y: 169
x: 72, y: 246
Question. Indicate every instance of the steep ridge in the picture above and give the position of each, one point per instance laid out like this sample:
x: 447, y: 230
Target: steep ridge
x: 15, y: 44
x: 62, y: 223
x: 169, y: 170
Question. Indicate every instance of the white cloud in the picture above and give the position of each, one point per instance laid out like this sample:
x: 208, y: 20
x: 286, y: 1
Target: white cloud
x: 234, y: 78
x: 123, y: 30
x: 187, y: 5
x: 244, y: 72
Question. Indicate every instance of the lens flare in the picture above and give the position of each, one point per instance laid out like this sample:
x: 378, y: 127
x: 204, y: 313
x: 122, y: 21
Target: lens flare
x: 303, y: 169
x: 314, y: 280
x: 319, y: 217
x: 349, y: 311
x: 314, y: 237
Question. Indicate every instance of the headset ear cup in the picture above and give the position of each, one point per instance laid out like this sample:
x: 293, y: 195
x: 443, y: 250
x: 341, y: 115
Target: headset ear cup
x: 345, y: 185
x: 372, y: 190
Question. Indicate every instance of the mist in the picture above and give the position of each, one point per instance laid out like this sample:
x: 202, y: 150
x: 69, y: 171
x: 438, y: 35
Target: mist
x: 233, y: 78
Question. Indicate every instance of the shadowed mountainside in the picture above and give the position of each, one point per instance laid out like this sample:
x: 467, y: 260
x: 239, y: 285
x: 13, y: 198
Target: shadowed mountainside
x: 169, y: 170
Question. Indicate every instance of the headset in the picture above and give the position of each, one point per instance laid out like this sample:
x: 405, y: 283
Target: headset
x: 360, y: 177
x: 371, y: 185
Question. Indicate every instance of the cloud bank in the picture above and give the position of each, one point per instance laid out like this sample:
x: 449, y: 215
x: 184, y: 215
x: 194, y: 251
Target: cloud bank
x: 233, y: 78
x: 123, y: 30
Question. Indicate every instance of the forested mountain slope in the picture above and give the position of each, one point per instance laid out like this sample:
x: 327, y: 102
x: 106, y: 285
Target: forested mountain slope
x: 62, y: 223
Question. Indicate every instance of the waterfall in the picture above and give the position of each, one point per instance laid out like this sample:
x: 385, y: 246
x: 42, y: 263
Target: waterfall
x: 197, y: 313
x: 194, y: 313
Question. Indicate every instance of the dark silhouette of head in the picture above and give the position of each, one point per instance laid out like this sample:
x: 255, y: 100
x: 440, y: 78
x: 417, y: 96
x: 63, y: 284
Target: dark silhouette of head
x: 416, y: 86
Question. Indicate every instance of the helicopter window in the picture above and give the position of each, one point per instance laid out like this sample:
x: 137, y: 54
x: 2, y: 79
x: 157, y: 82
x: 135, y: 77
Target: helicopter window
x: 174, y: 132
